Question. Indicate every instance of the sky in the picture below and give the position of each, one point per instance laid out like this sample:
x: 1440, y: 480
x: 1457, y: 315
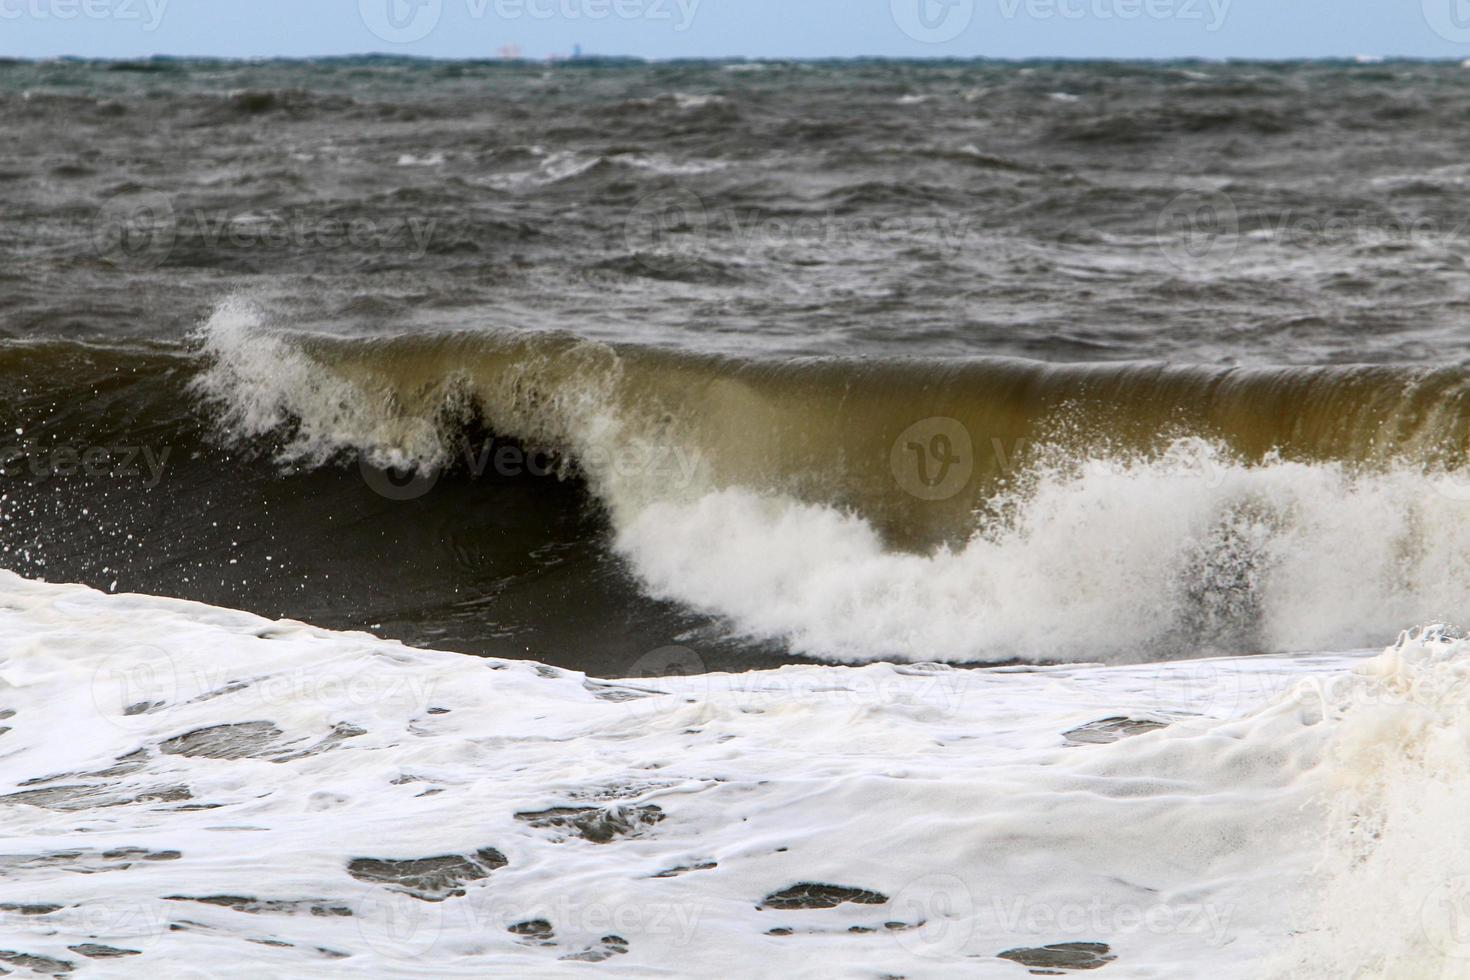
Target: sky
x: 730, y: 28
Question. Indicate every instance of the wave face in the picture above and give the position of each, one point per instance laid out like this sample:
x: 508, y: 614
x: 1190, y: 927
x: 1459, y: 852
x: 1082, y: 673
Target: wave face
x: 1123, y: 511
x: 979, y: 511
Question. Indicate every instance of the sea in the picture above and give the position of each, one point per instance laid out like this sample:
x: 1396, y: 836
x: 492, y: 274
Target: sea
x: 817, y: 519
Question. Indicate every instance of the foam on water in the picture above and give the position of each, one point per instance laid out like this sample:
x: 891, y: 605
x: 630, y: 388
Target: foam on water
x: 1108, y: 559
x: 236, y: 796
x: 1398, y: 767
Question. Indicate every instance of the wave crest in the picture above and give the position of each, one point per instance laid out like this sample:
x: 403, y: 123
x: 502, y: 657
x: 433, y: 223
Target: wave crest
x: 1119, y: 512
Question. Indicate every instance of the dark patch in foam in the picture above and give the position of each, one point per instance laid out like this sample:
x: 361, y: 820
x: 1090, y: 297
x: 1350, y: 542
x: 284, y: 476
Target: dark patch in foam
x: 1052, y: 959
x: 600, y: 825
x: 83, y: 862
x: 243, y: 740
x: 607, y: 947
x: 1111, y: 730
x: 46, y: 966
x: 340, y: 732
x: 126, y: 765
x: 90, y: 797
x: 251, y: 740
x: 537, y: 932
x: 684, y: 869
x: 98, y: 951
x: 617, y: 693
x: 430, y: 879
x: 809, y: 895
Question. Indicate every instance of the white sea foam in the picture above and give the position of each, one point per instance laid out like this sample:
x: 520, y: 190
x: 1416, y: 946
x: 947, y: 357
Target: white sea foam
x: 661, y: 163
x: 428, y: 160
x: 550, y: 169
x: 686, y: 100
x: 259, y: 382
x: 950, y: 795
x: 1116, y: 560
x: 1397, y: 850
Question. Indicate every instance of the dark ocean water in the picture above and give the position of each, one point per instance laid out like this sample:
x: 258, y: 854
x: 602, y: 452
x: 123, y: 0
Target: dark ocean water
x: 637, y: 367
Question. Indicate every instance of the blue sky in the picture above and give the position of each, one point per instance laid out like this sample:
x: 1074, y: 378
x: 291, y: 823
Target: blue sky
x: 755, y: 28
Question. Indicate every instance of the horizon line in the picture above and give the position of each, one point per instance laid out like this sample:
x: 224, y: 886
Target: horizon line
x: 1359, y: 59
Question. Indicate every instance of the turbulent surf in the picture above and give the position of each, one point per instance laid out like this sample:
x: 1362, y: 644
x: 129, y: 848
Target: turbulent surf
x: 840, y: 518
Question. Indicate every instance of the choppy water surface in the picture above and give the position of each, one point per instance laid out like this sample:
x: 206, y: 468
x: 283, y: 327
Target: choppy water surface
x: 974, y: 362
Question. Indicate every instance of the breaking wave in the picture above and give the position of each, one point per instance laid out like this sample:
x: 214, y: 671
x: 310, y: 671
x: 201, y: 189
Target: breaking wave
x: 965, y: 511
